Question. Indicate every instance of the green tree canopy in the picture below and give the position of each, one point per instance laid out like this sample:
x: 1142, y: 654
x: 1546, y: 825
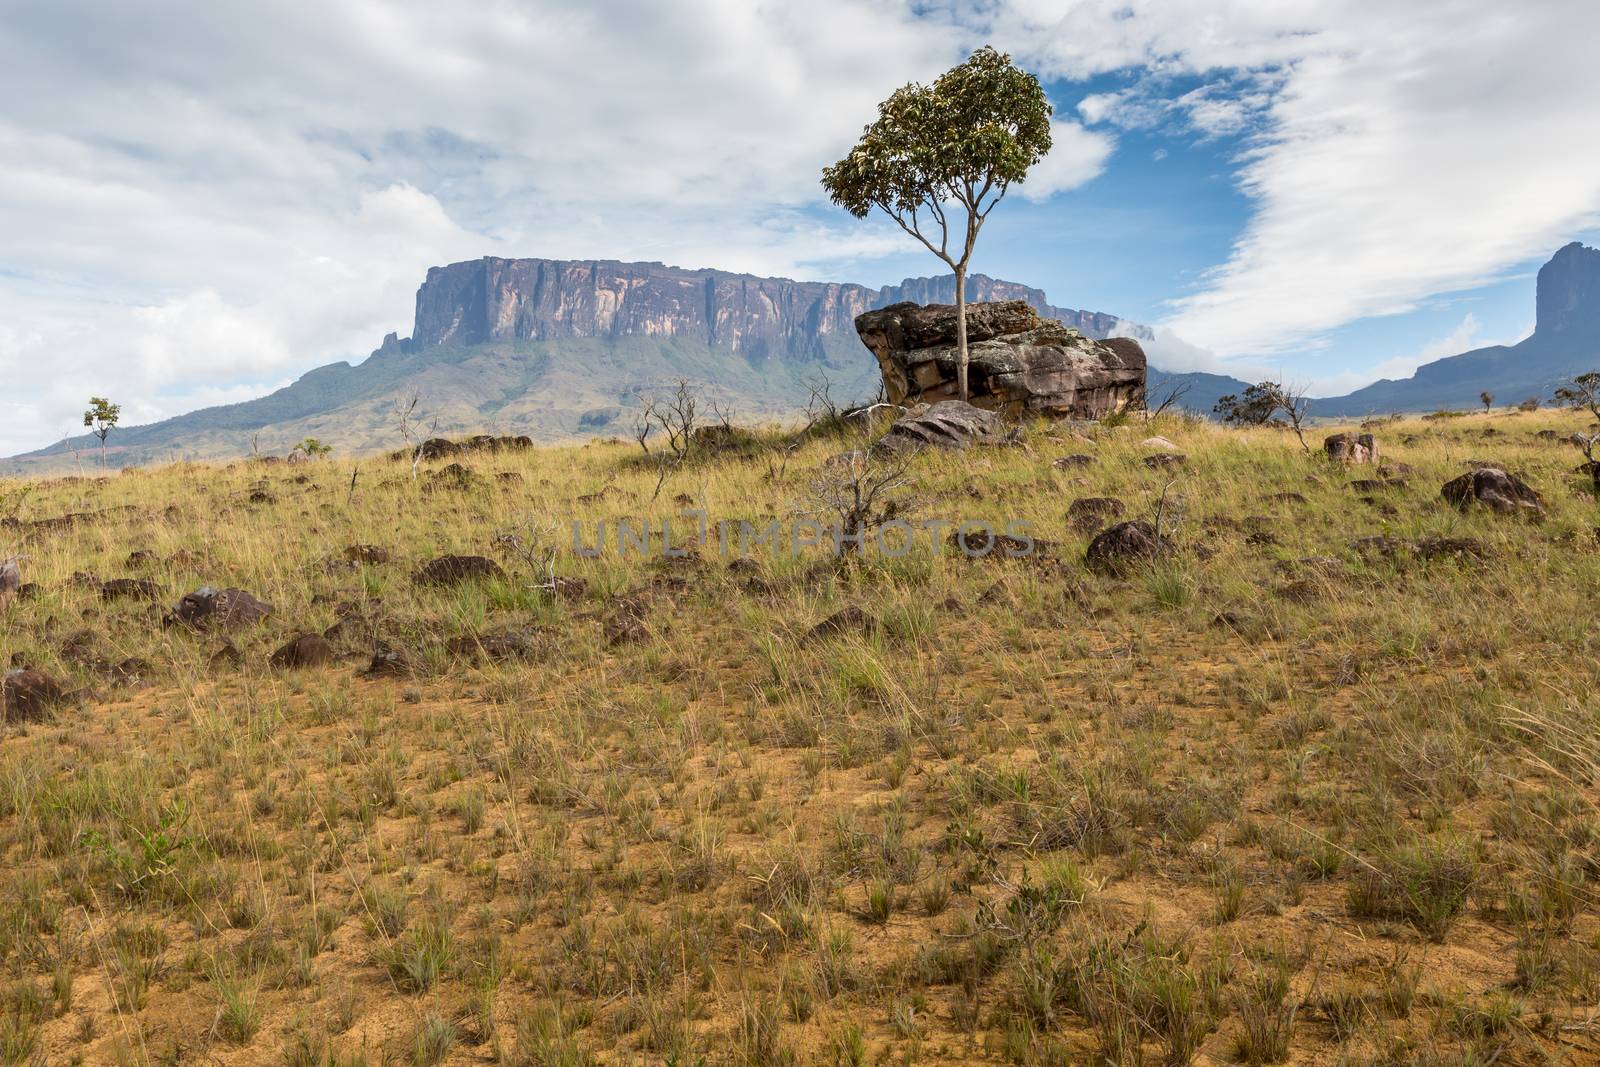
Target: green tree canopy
x: 940, y: 157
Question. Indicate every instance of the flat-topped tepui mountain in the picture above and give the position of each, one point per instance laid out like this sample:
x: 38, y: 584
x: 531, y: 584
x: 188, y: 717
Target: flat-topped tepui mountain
x: 557, y: 349
x: 1565, y: 342
x: 561, y: 348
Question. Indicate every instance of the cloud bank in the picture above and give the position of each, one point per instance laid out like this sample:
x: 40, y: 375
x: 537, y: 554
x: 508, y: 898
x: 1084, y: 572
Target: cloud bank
x: 206, y: 198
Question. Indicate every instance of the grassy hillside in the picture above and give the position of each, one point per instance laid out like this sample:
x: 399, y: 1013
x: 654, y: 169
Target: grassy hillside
x: 544, y: 389
x: 1275, y: 798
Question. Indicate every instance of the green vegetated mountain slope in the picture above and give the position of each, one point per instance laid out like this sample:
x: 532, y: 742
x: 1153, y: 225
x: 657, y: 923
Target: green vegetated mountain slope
x: 557, y: 349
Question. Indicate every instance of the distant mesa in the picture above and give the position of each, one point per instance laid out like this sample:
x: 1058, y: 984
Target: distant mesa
x: 1565, y: 342
x: 557, y: 349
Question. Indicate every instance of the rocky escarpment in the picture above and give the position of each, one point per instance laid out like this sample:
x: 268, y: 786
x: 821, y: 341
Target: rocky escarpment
x: 1567, y: 299
x: 1565, y: 342
x: 490, y: 299
x: 1019, y: 363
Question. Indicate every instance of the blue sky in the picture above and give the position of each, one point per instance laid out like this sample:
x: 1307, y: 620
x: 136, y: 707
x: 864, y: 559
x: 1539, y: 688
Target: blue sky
x: 211, y: 200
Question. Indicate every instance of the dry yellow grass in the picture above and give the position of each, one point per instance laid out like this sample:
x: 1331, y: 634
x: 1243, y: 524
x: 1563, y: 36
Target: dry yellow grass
x: 1230, y: 807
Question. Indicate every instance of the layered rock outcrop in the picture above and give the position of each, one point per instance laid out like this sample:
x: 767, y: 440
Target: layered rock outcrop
x: 1019, y: 363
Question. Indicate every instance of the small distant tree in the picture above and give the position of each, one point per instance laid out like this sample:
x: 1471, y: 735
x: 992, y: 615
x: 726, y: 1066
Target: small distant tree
x: 1530, y: 404
x: 1262, y: 402
x: 313, y: 448
x: 1487, y: 399
x: 940, y: 157
x: 101, y: 419
x: 1583, y: 394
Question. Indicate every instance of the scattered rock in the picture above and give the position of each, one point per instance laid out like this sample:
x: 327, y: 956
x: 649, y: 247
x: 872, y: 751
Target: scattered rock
x: 1351, y: 448
x: 453, y: 570
x: 306, y: 650
x: 1091, y: 514
x: 30, y: 696
x: 453, y: 478
x: 228, y: 608
x: 566, y: 588
x: 10, y: 581
x: 948, y: 424
x: 1069, y: 462
x: 1426, y: 548
x: 1288, y: 498
x: 261, y: 496
x: 227, y: 656
x: 499, y: 645
x: 1302, y: 590
x: 1165, y: 460
x: 140, y: 558
x: 1019, y: 363
x: 1160, y: 444
x: 846, y: 620
x: 1126, y: 543
x: 133, y: 670
x: 624, y: 627
x: 371, y: 555
x: 1376, y: 485
x: 130, y: 589
x: 352, y: 627
x: 1453, y: 547
x: 508, y: 478
x: 389, y: 662
x: 985, y: 543
x: 1494, y: 489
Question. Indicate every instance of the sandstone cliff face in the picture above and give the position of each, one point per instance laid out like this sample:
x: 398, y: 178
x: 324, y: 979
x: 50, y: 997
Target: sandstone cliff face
x: 1568, y: 294
x: 491, y: 299
x: 539, y: 299
x: 1019, y: 364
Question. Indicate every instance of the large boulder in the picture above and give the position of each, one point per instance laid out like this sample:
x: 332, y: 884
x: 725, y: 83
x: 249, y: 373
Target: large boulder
x: 1118, y: 547
x: 947, y: 424
x: 1019, y: 363
x: 1351, y: 448
x: 1494, y: 489
x: 227, y: 608
x: 29, y: 695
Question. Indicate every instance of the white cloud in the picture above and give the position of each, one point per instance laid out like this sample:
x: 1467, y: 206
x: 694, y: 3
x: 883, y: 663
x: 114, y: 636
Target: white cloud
x: 208, y: 195
x: 1076, y: 156
x: 1397, y: 151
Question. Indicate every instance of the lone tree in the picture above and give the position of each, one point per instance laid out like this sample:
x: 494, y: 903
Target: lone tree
x: 1583, y: 394
x: 1261, y: 403
x: 101, y: 418
x: 941, y: 156
x: 1487, y: 399
x: 312, y: 448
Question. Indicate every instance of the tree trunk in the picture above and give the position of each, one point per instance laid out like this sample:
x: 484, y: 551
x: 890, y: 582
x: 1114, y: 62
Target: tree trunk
x: 961, y: 331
